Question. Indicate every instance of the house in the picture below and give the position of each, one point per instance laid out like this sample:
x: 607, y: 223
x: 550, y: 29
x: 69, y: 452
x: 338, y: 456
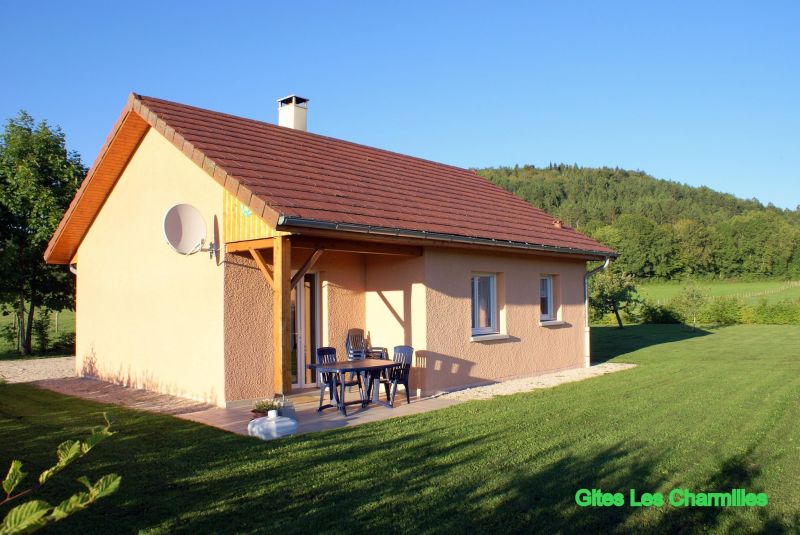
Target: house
x: 308, y: 236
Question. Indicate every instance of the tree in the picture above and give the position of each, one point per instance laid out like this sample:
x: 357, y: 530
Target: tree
x: 689, y: 304
x: 696, y: 252
x: 662, y: 229
x: 611, y: 292
x: 38, y: 178
x: 639, y: 242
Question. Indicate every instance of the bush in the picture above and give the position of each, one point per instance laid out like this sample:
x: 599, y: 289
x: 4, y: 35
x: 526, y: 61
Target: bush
x: 65, y: 343
x: 696, y: 309
x: 41, y: 330
x: 786, y: 312
x: 689, y: 305
x: 721, y: 311
x: 650, y: 312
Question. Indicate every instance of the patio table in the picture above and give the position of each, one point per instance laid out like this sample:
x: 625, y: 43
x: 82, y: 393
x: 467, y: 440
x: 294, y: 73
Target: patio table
x: 372, y: 367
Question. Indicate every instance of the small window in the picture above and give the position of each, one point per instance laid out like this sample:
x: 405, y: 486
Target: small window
x: 546, y: 305
x: 484, y: 304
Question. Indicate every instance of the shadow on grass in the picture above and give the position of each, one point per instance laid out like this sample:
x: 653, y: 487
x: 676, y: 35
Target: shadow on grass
x: 424, y: 474
x: 611, y: 342
x: 739, y: 471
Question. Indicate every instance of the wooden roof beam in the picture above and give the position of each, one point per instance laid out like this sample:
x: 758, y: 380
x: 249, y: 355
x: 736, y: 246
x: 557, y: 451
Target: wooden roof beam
x: 354, y: 246
x: 308, y: 264
x: 249, y: 245
x: 262, y: 265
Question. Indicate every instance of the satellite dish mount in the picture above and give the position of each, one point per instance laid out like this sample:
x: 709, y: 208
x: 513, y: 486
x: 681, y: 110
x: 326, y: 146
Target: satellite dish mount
x: 185, y: 230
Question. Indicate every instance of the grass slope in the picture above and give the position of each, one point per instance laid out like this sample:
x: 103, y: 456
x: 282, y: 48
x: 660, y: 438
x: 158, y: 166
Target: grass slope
x: 704, y: 410
x: 750, y: 292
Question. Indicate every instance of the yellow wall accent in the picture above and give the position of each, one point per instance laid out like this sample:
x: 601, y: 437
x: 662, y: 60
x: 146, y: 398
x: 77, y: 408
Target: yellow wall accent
x: 241, y: 224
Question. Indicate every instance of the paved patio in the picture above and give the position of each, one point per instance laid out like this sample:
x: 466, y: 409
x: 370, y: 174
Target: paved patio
x: 310, y: 421
x: 134, y: 398
x: 235, y: 420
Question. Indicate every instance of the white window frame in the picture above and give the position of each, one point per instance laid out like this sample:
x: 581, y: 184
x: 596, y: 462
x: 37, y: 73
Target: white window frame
x: 551, y: 314
x: 493, y: 327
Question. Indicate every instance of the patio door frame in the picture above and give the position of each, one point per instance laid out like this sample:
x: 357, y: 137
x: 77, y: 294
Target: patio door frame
x: 299, y: 319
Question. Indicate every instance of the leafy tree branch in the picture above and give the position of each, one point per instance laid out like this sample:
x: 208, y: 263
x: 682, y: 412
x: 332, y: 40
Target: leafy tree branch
x: 35, y: 514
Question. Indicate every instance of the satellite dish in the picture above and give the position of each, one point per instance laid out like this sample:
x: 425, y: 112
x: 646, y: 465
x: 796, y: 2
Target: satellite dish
x: 184, y: 229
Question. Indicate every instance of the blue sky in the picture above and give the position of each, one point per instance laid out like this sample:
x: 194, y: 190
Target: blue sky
x: 699, y: 92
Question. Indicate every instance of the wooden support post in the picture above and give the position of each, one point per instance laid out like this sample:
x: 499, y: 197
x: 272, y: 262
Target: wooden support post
x: 281, y: 308
x: 308, y: 264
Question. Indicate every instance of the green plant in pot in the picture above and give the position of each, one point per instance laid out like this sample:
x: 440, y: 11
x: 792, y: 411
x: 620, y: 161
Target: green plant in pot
x: 267, y: 407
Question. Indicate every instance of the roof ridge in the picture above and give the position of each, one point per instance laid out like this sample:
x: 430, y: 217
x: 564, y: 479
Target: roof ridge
x: 294, y: 131
x: 474, y: 186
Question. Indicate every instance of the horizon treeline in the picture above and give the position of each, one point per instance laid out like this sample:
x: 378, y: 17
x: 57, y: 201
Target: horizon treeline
x: 663, y: 229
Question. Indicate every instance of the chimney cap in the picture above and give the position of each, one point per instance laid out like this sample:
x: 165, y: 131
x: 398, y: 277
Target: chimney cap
x: 292, y: 99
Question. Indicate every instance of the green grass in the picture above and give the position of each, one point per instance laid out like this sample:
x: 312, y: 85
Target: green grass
x: 703, y: 410
x: 750, y: 292
x: 66, y: 323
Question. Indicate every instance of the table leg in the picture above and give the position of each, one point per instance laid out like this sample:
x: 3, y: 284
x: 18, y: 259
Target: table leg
x: 333, y: 388
x: 376, y: 386
x: 343, y: 406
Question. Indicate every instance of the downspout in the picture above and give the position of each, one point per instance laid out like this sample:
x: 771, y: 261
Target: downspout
x: 586, y: 329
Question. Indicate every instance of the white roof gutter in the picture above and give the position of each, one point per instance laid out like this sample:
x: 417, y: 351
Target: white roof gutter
x: 289, y: 221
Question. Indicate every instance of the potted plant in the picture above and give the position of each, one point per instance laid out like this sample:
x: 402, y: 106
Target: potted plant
x: 266, y: 407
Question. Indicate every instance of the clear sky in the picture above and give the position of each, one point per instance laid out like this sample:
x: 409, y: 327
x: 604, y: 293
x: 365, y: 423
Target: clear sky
x: 706, y: 93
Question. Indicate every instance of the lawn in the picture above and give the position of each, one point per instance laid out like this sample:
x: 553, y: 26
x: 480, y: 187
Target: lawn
x: 703, y: 410
x: 66, y: 323
x: 750, y: 291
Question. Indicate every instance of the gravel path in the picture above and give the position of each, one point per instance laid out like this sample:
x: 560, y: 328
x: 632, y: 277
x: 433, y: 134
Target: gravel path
x: 27, y: 370
x: 527, y: 384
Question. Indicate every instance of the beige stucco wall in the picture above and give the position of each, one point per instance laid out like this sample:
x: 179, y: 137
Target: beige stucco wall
x: 248, y: 316
x: 342, y: 301
x: 146, y: 316
x: 395, y: 297
x: 248, y: 331
x: 450, y: 359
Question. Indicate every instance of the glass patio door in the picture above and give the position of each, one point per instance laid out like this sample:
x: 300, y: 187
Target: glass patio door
x: 304, y: 316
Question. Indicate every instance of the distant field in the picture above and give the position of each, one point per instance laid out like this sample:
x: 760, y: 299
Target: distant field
x: 751, y: 292
x: 66, y: 323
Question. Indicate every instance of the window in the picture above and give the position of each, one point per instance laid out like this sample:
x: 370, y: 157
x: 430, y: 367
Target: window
x: 546, y: 305
x: 484, y: 304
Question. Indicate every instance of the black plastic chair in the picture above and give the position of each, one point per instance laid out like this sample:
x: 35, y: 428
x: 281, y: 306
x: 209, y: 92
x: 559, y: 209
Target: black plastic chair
x: 358, y: 348
x: 329, y: 380
x: 403, y: 355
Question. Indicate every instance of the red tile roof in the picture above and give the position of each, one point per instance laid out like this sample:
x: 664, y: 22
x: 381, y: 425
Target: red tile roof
x: 305, y: 175
x: 310, y: 179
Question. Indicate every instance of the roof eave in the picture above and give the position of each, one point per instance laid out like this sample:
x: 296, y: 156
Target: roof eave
x: 290, y: 222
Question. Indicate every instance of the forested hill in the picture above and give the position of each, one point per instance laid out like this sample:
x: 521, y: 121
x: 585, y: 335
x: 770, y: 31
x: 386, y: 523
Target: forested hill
x: 663, y: 229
